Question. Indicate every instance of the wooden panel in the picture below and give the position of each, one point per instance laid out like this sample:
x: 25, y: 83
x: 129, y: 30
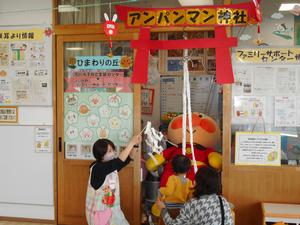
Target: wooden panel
x: 74, y: 195
x: 24, y: 221
x: 126, y: 193
x: 54, y: 76
x: 249, y: 186
x: 97, y: 29
x: 136, y: 206
x: 54, y: 12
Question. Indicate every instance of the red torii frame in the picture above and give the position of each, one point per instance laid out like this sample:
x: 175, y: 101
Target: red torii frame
x: 222, y: 43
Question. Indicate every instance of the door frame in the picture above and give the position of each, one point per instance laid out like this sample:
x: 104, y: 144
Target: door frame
x: 58, y: 80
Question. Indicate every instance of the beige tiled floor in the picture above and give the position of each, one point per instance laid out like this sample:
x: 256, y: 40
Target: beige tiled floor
x: 20, y: 223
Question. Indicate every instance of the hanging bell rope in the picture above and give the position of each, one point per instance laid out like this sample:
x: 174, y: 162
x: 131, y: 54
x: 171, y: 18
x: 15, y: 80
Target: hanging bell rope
x: 187, y: 111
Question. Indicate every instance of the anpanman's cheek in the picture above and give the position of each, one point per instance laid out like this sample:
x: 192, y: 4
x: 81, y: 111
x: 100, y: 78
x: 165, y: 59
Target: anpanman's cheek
x: 208, y: 125
x: 177, y: 123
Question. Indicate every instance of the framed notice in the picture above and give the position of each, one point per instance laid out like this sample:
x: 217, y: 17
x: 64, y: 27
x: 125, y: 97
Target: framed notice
x: 258, y: 148
x: 147, y: 100
x: 8, y: 114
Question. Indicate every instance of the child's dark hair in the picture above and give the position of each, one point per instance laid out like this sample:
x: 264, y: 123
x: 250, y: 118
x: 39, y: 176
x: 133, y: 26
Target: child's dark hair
x: 181, y: 164
x: 100, y: 148
x: 207, y: 182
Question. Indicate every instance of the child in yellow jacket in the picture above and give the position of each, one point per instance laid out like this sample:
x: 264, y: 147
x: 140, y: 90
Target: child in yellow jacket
x: 178, y: 188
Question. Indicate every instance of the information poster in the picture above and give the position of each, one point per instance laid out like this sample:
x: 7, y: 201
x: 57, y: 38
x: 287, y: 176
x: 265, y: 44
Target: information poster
x: 243, y: 81
x: 258, y: 148
x: 25, y: 67
x: 9, y: 114
x: 93, y: 115
x: 264, y: 80
x: 204, y: 95
x: 248, y: 107
x: 285, y: 111
x: 43, y: 139
x: 147, y: 100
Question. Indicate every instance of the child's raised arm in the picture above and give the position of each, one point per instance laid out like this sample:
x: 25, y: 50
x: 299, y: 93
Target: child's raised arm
x: 134, y: 141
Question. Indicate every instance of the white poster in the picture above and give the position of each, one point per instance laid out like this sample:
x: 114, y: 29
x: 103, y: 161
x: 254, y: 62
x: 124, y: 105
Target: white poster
x: 5, y: 91
x: 298, y: 110
x: 72, y: 151
x: 257, y: 148
x: 204, y: 94
x: 41, y: 91
x: 286, y: 82
x: 37, y: 54
x: 264, y: 80
x: 86, y: 151
x: 285, y: 111
x: 43, y: 139
x: 201, y: 89
x: 21, y: 91
x: 243, y: 81
x: 171, y: 94
x: 248, y: 107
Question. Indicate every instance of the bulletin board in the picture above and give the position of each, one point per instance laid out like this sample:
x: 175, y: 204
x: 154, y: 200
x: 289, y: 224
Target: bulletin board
x: 267, y: 87
x: 93, y: 115
x: 204, y: 95
x: 266, y: 96
x: 25, y: 67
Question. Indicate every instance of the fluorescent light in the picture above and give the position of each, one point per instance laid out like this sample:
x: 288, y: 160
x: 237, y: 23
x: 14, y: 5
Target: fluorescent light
x: 195, y: 2
x: 289, y: 134
x: 74, y: 48
x: 288, y: 6
x: 67, y: 8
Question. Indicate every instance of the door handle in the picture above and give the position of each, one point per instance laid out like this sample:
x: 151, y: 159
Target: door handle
x: 59, y: 144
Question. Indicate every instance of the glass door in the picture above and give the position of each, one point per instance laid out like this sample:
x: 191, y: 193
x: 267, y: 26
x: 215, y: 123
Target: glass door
x: 95, y: 99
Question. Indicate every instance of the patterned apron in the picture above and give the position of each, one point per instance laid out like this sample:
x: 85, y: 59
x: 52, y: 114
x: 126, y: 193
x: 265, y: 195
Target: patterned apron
x: 103, y: 205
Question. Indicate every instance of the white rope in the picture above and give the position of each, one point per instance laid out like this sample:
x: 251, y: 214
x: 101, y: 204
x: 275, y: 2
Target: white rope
x: 185, y: 65
x: 187, y: 107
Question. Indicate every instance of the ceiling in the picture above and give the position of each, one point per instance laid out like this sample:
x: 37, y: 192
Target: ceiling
x: 268, y: 7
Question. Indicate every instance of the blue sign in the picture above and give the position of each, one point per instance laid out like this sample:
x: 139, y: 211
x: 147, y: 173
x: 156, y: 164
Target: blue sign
x: 102, y: 62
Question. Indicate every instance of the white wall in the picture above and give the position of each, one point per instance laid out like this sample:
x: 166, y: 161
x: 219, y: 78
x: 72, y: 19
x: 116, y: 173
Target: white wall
x: 22, y: 192
x: 275, y: 28
x: 15, y: 16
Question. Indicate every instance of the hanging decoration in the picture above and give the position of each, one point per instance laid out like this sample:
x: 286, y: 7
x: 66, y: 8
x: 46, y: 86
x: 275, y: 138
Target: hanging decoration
x: 155, y: 141
x: 48, y: 32
x: 110, y: 29
x: 258, y: 19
